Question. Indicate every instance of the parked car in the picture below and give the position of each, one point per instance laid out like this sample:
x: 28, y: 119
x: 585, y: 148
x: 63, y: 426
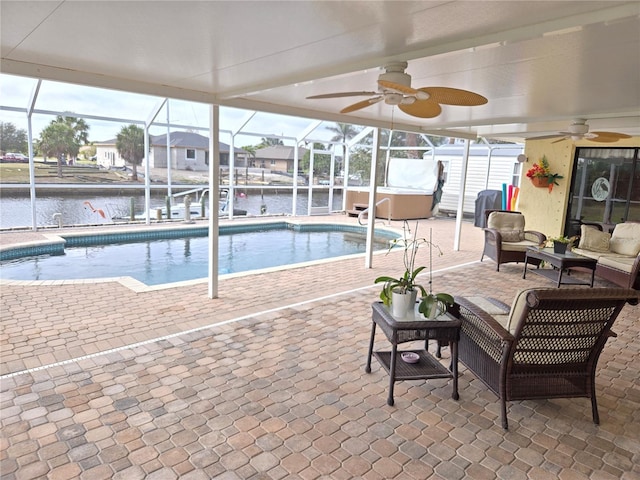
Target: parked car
x: 12, y: 157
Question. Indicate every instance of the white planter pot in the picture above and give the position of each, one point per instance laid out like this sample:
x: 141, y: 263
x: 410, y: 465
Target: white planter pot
x: 403, y: 303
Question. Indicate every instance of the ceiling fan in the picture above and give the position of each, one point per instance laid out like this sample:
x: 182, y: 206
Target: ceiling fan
x: 579, y: 130
x: 395, y: 89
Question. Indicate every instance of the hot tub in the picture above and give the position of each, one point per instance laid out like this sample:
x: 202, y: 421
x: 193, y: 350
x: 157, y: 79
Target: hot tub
x: 402, y: 203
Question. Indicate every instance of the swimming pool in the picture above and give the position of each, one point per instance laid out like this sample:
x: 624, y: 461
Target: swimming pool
x: 167, y: 256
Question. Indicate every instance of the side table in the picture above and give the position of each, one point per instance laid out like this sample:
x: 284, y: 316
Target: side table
x: 444, y: 329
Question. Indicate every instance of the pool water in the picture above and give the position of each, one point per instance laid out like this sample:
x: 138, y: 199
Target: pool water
x: 168, y: 260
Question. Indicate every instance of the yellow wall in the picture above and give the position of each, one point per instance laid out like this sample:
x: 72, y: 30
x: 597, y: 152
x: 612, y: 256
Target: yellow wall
x: 545, y: 212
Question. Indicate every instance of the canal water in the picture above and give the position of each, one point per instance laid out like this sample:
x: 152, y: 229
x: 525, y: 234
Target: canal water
x: 86, y: 208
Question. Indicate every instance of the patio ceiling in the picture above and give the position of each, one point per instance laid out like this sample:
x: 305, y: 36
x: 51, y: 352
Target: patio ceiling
x: 540, y: 64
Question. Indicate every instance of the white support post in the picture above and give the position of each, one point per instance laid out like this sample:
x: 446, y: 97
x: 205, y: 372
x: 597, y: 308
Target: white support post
x: 147, y: 149
x: 332, y: 176
x: 345, y: 180
x: 214, y: 195
x: 147, y: 176
x: 296, y: 163
x: 463, y: 183
x: 310, y: 183
x: 32, y: 167
x: 371, y: 220
x: 168, y: 152
x: 232, y: 179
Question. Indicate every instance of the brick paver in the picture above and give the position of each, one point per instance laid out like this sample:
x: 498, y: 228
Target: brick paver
x: 280, y: 390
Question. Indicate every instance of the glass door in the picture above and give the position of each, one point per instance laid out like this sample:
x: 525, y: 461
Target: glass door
x: 605, y: 188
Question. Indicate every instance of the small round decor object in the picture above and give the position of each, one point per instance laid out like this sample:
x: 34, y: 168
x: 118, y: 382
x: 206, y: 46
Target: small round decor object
x: 600, y: 189
x: 410, y: 357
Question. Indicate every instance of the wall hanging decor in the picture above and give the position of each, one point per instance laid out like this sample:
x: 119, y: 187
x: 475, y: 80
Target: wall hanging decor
x: 541, y: 176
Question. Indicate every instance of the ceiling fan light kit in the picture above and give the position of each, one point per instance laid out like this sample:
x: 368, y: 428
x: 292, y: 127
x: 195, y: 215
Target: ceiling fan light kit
x: 395, y: 89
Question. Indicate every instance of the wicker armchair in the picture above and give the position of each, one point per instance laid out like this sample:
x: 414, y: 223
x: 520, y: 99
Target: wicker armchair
x: 545, y: 346
x: 506, y: 240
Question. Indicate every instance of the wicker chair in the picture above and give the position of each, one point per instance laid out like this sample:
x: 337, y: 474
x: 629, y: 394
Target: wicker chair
x: 506, y: 240
x: 545, y: 346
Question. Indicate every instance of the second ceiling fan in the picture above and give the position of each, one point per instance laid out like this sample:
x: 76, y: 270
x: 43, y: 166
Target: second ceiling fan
x: 395, y: 89
x: 578, y: 129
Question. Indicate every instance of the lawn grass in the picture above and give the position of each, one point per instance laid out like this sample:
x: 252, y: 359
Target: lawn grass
x: 48, y: 173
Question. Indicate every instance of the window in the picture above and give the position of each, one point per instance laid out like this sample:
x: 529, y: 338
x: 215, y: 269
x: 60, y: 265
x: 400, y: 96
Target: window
x: 515, y: 180
x: 191, y: 154
x: 273, y: 162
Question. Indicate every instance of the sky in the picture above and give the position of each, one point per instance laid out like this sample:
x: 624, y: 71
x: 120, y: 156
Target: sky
x: 16, y: 91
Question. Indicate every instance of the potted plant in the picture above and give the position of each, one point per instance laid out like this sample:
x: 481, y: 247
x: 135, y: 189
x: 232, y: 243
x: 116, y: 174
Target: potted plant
x: 561, y: 243
x: 401, y: 292
x: 541, y: 176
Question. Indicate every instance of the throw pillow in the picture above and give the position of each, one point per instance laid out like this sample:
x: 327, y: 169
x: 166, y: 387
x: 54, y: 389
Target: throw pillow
x: 625, y: 246
x: 512, y: 235
x: 593, y: 239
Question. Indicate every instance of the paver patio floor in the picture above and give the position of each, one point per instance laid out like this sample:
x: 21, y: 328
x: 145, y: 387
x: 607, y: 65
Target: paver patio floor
x: 267, y: 381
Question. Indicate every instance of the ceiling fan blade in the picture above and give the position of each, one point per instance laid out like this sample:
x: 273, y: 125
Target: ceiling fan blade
x: 544, y: 137
x: 342, y: 94
x: 360, y: 105
x: 454, y: 96
x: 608, y: 136
x: 397, y: 87
x: 560, y: 140
x: 422, y: 109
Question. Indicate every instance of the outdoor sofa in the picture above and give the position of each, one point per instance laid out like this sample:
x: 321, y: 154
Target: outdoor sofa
x: 618, y: 253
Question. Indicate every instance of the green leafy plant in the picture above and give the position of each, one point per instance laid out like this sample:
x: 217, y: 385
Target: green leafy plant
x: 561, y: 239
x: 407, y: 281
x: 442, y: 301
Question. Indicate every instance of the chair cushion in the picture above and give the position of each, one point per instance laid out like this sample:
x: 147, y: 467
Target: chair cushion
x: 510, y: 225
x: 517, y: 307
x: 593, y: 239
x: 512, y: 235
x: 518, y: 246
x: 487, y: 305
x: 499, y: 314
x: 618, y: 262
x: 588, y: 253
x: 506, y: 318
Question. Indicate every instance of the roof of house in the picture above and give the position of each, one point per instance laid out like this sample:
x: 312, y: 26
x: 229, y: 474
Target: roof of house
x: 279, y: 152
x: 186, y: 139
x: 181, y: 139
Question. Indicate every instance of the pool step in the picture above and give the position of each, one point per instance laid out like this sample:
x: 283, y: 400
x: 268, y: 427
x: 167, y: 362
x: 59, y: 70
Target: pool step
x: 356, y: 209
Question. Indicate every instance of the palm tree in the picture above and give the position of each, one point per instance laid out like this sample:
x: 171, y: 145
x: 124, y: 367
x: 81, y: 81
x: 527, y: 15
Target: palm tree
x: 130, y: 146
x: 251, y: 150
x: 80, y: 131
x: 343, y: 132
x: 56, y: 140
x: 269, y: 142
